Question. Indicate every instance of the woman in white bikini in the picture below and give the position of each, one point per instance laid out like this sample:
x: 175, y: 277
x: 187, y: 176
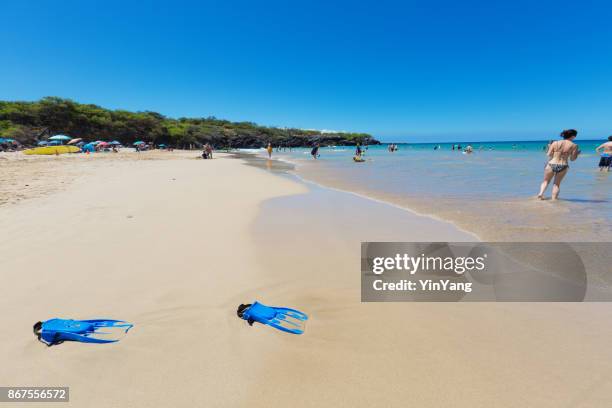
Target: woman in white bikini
x: 559, y: 154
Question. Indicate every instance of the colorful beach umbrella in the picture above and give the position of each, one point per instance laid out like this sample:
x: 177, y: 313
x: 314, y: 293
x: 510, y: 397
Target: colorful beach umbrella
x: 138, y: 142
x: 75, y: 141
x: 115, y: 143
x: 60, y: 137
x: 54, y: 143
x: 42, y: 143
x: 89, y: 147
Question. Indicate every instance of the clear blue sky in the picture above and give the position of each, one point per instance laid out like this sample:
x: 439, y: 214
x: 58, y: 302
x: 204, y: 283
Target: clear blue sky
x: 411, y: 70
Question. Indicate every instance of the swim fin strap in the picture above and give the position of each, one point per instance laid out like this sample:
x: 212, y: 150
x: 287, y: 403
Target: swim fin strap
x: 56, y: 331
x: 281, y: 318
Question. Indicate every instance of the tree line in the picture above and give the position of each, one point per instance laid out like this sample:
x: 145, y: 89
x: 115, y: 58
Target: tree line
x: 30, y: 122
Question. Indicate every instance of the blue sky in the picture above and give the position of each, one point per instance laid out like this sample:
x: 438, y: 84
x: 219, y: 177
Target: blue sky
x: 410, y: 70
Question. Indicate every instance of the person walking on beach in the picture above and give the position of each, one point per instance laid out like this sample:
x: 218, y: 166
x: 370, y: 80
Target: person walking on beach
x: 559, y: 154
x: 605, y: 162
x: 269, y: 149
x: 315, y: 151
x: 209, y: 150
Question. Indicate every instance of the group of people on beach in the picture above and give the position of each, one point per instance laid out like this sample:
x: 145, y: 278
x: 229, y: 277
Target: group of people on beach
x: 279, y: 148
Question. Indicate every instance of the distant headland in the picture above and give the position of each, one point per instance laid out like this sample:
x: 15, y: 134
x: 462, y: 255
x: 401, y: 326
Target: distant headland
x: 29, y: 122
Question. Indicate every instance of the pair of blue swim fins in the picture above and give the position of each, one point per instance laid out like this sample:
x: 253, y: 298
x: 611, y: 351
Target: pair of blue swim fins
x: 56, y: 331
x: 281, y: 318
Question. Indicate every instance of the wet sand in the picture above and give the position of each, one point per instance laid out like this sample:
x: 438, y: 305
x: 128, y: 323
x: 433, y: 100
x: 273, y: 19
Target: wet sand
x: 510, y: 216
x: 357, y: 354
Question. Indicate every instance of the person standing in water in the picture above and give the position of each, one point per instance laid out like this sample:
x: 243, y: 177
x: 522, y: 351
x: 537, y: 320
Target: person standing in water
x: 315, y: 151
x: 269, y: 149
x: 605, y: 162
x: 358, y: 150
x: 559, y: 154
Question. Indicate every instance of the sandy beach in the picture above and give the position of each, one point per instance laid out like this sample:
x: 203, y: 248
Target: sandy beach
x: 174, y: 244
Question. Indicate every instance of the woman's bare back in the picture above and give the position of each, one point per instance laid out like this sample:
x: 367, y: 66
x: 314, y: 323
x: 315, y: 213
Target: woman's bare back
x: 561, y: 151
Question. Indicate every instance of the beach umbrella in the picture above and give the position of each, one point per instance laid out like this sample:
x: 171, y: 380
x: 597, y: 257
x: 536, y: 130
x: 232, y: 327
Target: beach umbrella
x: 60, y: 137
x: 161, y: 145
x: 55, y: 143
x: 115, y: 143
x: 97, y: 142
x: 75, y: 141
x: 102, y: 144
x: 43, y: 143
x: 138, y: 143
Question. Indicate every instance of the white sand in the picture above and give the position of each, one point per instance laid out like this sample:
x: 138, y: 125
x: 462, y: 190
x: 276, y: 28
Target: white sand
x: 175, y: 245
x: 162, y: 244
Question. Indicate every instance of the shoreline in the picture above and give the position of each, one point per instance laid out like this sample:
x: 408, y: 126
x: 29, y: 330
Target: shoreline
x: 291, y: 171
x: 392, y: 204
x: 495, y: 217
x: 404, y: 345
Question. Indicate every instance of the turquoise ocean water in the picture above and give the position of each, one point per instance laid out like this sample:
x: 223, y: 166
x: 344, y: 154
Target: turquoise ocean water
x: 490, y: 192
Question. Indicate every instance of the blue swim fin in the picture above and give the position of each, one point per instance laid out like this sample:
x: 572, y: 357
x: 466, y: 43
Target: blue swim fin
x: 56, y: 331
x: 281, y: 318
